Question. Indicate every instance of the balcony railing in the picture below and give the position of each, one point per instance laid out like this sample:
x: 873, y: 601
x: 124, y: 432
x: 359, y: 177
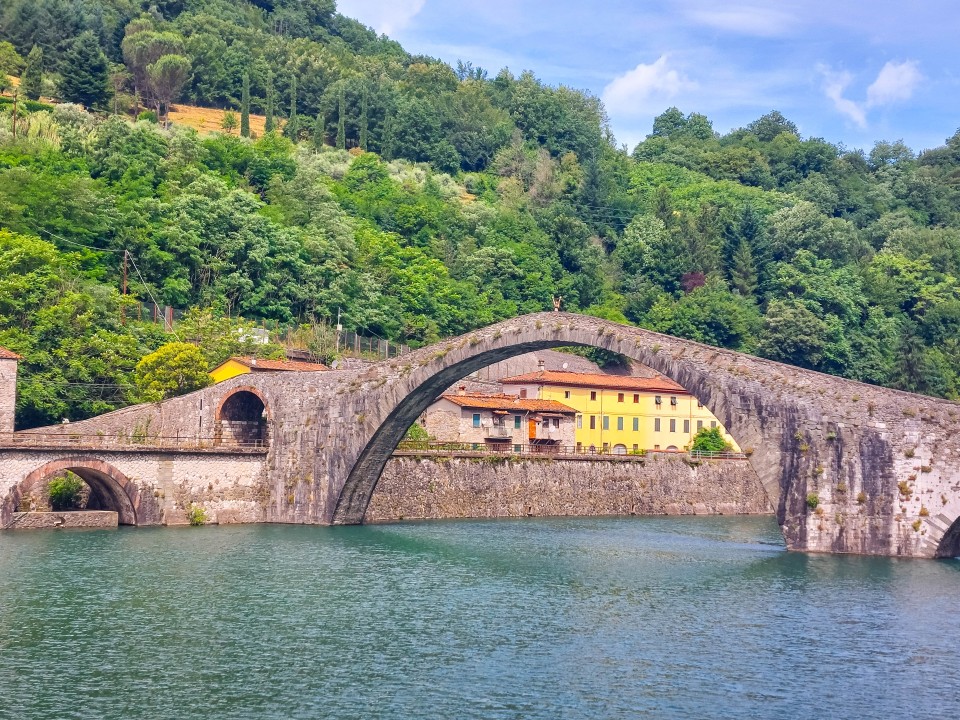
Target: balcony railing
x: 25, y: 438
x: 470, y: 448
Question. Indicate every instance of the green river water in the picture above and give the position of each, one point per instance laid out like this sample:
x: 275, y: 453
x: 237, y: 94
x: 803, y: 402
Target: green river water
x: 565, y: 618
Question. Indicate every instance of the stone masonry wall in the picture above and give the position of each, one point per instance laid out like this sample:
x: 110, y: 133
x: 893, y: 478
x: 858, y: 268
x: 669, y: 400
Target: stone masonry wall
x: 490, y: 486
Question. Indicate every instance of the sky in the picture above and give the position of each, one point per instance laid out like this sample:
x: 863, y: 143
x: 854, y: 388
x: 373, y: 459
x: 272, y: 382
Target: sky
x: 850, y: 71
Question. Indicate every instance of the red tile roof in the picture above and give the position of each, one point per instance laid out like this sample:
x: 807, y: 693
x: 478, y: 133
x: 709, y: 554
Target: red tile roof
x: 595, y: 380
x: 8, y: 355
x: 259, y: 364
x: 489, y: 401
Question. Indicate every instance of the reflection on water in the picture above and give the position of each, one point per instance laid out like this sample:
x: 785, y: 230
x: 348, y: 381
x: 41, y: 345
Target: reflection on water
x: 568, y: 618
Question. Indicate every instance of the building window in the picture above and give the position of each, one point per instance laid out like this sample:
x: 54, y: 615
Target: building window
x: 593, y: 422
x: 556, y: 422
x: 686, y: 426
x: 656, y: 447
x: 619, y: 397
x: 699, y: 404
x: 636, y: 397
x: 656, y: 424
x: 476, y: 419
x: 636, y: 424
x: 636, y: 447
x: 517, y: 448
x: 516, y: 422
x: 673, y: 425
x: 713, y: 423
x: 579, y: 422
x: 606, y: 446
x: 566, y: 394
x: 699, y: 425
x: 593, y: 394
x: 523, y: 392
x: 658, y: 400
x: 606, y: 422
x: 673, y: 401
x: 619, y: 423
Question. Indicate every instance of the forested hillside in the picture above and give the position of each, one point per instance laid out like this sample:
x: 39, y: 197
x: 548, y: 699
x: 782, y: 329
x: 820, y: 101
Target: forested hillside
x: 423, y: 200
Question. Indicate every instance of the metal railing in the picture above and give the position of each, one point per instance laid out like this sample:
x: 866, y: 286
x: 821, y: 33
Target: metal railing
x: 472, y: 448
x: 25, y: 438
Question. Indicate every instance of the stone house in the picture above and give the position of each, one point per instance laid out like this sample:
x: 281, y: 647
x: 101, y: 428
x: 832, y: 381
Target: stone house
x: 501, y: 422
x: 243, y: 365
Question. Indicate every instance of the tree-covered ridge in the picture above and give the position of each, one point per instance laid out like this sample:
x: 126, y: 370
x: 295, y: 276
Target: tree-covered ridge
x: 476, y: 199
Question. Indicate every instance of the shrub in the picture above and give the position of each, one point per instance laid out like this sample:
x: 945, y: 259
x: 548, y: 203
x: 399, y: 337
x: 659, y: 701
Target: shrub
x: 149, y: 116
x: 813, y: 500
x: 709, y: 440
x: 65, y: 492
x: 196, y: 515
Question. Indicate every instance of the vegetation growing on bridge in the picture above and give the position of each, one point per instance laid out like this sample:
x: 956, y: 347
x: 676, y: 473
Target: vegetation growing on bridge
x: 477, y: 198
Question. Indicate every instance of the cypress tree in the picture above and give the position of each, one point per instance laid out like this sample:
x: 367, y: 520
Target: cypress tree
x: 86, y: 72
x: 319, y: 130
x: 386, y: 146
x: 342, y: 120
x: 245, y: 107
x: 269, y: 109
x: 363, y: 118
x: 32, y: 77
x: 292, y: 130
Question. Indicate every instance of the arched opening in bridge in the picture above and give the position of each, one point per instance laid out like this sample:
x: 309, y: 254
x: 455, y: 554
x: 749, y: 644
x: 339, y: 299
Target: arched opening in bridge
x: 103, y: 487
x: 242, y: 419
x: 441, y: 368
x: 950, y: 544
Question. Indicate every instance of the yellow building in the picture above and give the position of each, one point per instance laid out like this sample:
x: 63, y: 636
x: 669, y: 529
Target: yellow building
x: 618, y: 414
x: 242, y: 365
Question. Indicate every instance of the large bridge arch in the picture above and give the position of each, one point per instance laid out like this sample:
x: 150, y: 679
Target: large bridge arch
x: 431, y: 371
x: 111, y: 488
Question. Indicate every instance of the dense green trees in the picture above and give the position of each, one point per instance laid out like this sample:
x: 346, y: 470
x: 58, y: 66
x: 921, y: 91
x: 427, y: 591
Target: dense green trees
x: 449, y: 200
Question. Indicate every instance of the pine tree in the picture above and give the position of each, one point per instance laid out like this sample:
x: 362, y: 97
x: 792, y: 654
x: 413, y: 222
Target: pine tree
x: 32, y: 77
x: 86, y: 72
x: 363, y: 118
x: 342, y: 120
x: 245, y: 107
x: 270, y: 99
x: 743, y: 272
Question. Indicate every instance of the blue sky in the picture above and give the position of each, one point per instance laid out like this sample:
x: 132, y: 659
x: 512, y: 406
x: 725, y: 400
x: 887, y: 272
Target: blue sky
x: 850, y: 71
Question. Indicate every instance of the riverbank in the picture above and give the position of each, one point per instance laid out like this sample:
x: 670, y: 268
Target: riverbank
x: 501, y: 487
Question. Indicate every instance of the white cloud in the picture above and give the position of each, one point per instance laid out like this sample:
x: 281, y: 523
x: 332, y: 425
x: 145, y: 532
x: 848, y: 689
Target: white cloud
x: 626, y: 94
x: 747, y: 20
x: 834, y: 84
x: 385, y: 16
x: 896, y: 82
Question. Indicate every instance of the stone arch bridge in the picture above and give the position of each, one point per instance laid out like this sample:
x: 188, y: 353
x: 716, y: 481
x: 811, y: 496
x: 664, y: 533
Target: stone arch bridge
x: 849, y: 467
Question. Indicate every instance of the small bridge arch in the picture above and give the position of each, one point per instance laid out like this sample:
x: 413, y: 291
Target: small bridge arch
x: 242, y: 417
x: 109, y: 487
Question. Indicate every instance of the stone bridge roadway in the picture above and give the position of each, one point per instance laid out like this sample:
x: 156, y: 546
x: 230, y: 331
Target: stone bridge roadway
x: 883, y: 466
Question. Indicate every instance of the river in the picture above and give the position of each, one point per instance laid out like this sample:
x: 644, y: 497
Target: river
x: 565, y: 618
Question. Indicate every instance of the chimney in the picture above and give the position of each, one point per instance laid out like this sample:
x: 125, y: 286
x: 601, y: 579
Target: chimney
x: 540, y: 365
x: 462, y: 390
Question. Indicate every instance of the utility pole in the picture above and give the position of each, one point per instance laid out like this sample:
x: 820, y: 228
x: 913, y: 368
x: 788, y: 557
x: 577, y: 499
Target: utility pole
x: 339, y: 330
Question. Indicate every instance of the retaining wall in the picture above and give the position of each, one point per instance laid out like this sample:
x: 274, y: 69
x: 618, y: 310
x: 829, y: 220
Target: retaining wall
x: 491, y: 486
